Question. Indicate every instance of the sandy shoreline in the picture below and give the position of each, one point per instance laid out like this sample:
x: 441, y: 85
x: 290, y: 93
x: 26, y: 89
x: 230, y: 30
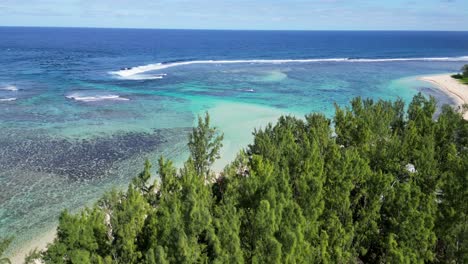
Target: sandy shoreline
x: 452, y: 87
x: 39, y: 243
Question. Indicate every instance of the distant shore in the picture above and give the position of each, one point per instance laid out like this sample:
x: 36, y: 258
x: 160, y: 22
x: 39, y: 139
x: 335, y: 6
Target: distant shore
x: 452, y: 87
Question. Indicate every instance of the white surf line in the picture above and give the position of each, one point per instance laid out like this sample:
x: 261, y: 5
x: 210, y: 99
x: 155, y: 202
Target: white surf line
x: 160, y: 66
x: 96, y: 98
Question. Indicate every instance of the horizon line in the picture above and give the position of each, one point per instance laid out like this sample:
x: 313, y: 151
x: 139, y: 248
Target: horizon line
x: 234, y: 29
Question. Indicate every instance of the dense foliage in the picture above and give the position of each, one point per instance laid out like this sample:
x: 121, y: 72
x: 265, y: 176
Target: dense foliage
x: 465, y: 71
x: 380, y: 186
x: 463, y: 76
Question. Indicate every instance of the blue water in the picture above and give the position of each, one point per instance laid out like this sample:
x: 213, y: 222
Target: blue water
x: 80, y: 109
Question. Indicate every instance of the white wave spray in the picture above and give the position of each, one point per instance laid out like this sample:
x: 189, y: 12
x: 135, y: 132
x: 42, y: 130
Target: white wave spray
x: 11, y: 88
x: 96, y: 98
x: 7, y: 99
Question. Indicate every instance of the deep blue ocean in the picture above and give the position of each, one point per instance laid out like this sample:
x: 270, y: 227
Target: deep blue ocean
x: 81, y: 109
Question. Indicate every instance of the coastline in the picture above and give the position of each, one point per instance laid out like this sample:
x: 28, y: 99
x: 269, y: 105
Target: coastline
x: 231, y: 118
x: 451, y: 87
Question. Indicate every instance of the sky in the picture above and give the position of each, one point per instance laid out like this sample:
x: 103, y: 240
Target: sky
x: 240, y: 14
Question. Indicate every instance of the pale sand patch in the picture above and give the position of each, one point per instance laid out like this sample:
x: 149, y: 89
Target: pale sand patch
x: 237, y: 121
x: 451, y: 87
x: 39, y: 243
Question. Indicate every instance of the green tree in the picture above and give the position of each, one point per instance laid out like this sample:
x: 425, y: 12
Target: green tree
x: 183, y: 229
x: 141, y: 181
x: 79, y: 238
x: 205, y: 143
x: 127, y: 222
x: 226, y: 225
x: 452, y: 194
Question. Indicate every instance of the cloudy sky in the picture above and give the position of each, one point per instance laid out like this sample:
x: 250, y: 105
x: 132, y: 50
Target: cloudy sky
x: 240, y: 14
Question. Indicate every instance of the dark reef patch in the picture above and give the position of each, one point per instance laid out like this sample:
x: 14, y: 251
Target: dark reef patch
x: 81, y: 159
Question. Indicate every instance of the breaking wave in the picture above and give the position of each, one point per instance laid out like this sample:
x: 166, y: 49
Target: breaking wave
x: 7, y: 99
x: 248, y: 90
x: 141, y: 77
x: 96, y: 98
x: 130, y: 73
x: 11, y: 88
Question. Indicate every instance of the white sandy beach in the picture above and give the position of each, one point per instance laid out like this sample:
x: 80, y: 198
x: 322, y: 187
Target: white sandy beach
x: 451, y: 87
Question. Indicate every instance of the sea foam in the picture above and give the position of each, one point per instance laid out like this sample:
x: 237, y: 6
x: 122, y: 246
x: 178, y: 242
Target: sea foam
x: 129, y: 72
x: 141, y: 77
x: 7, y: 99
x: 248, y: 90
x: 96, y: 98
x: 11, y: 88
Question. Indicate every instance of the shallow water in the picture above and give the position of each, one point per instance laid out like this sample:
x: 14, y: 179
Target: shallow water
x: 75, y: 128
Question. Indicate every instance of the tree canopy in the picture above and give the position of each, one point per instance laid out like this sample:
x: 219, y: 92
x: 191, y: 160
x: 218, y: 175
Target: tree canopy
x: 376, y: 184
